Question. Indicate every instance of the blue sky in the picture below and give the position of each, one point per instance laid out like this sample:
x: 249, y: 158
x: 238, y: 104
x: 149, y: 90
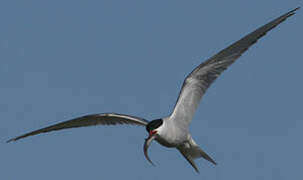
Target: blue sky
x: 63, y: 59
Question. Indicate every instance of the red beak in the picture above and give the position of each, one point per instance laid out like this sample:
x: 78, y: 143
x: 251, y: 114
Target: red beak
x: 152, y: 132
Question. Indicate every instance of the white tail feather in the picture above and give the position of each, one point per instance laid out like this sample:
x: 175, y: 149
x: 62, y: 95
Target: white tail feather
x: 190, y: 150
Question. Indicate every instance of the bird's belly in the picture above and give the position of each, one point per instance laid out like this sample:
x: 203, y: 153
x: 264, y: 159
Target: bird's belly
x: 171, y: 142
x: 165, y: 143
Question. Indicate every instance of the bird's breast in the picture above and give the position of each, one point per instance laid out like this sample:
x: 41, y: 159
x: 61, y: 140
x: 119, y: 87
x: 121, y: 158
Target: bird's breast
x: 172, y: 136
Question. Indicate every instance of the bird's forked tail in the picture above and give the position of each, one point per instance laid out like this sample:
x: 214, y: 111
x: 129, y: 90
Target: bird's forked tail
x: 191, y: 151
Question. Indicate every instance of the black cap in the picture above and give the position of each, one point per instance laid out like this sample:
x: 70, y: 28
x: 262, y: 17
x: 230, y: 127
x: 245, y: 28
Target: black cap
x: 154, y: 124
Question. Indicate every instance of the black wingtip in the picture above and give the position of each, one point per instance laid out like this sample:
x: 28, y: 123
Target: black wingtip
x: 292, y: 12
x: 15, y: 139
x: 197, y: 171
x: 10, y: 140
x: 296, y: 9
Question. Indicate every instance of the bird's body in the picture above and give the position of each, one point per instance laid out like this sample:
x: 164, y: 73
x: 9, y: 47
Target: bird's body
x: 173, y: 131
x: 170, y: 135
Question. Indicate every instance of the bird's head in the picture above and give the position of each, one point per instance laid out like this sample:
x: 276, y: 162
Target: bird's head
x: 152, y: 129
x: 152, y: 126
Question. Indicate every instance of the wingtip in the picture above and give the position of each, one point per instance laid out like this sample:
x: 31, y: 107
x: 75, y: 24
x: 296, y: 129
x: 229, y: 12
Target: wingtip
x: 197, y: 171
x: 292, y: 12
x: 11, y: 140
x: 297, y: 8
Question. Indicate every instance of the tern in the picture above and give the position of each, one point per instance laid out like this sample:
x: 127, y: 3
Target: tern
x: 172, y: 131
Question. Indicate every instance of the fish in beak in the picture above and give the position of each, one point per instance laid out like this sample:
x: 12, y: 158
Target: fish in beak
x: 151, y: 137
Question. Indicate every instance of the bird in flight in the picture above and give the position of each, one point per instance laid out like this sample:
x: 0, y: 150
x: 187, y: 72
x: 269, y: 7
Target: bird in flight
x: 172, y: 131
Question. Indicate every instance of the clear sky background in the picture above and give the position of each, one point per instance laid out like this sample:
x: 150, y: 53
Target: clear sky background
x: 62, y: 59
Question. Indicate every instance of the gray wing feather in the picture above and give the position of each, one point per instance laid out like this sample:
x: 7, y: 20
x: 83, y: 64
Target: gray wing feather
x: 89, y: 120
x: 198, y: 81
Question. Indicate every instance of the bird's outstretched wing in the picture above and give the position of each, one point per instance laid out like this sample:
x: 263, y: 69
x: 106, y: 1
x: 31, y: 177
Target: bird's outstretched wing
x: 198, y: 81
x: 89, y: 120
